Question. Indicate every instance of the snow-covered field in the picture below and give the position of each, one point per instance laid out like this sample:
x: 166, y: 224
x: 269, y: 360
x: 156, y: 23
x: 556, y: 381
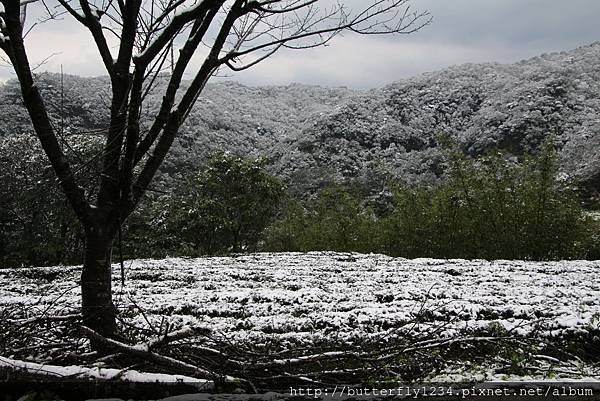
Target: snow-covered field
x: 305, y: 299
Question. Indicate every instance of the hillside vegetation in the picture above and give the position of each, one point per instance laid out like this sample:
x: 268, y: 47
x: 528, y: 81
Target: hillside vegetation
x: 481, y: 106
x: 312, y: 136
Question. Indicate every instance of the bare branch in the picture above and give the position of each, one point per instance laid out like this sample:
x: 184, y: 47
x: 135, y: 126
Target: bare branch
x: 72, y: 11
x: 309, y: 27
x: 177, y: 116
x: 171, y: 30
x: 92, y: 22
x: 34, y: 103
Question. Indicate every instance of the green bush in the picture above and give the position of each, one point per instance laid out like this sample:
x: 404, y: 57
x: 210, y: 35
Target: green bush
x: 335, y: 221
x: 488, y: 207
x: 148, y: 233
x: 225, y: 208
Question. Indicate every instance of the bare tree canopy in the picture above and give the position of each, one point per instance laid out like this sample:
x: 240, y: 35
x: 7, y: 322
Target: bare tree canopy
x: 140, y: 40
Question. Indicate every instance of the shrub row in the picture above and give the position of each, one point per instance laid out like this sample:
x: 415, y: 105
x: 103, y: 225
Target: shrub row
x: 490, y: 207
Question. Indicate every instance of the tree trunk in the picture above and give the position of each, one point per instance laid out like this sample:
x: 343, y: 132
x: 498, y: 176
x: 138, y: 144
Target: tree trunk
x: 98, y: 310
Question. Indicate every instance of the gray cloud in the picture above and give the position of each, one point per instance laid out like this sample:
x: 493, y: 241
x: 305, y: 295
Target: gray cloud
x: 462, y: 31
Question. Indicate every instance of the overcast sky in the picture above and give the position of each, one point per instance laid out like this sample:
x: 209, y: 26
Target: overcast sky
x: 462, y: 31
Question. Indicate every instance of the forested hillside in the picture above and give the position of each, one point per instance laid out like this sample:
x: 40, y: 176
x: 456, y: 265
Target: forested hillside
x: 312, y: 136
x: 482, y: 106
x: 228, y: 116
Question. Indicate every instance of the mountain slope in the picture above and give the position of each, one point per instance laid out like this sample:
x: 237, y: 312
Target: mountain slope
x: 483, y: 106
x: 312, y: 135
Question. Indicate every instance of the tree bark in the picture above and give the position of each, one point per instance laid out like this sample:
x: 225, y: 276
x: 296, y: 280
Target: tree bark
x: 97, y: 308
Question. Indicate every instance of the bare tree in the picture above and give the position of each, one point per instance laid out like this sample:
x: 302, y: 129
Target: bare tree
x: 136, y: 40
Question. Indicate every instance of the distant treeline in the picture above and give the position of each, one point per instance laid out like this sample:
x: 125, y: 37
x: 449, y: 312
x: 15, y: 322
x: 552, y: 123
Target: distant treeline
x: 488, y: 207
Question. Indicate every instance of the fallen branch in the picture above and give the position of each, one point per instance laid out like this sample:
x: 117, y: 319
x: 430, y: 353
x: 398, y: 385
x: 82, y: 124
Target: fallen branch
x: 37, y: 319
x: 429, y: 344
x: 43, y: 371
x: 182, y: 334
x: 375, y: 355
x: 306, y: 359
x: 142, y: 351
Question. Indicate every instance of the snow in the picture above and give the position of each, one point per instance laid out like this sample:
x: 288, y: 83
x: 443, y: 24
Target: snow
x: 296, y: 300
x: 302, y: 299
x: 103, y: 373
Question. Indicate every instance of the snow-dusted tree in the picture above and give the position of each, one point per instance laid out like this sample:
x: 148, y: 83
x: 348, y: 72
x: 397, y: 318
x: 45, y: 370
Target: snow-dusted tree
x: 138, y: 40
